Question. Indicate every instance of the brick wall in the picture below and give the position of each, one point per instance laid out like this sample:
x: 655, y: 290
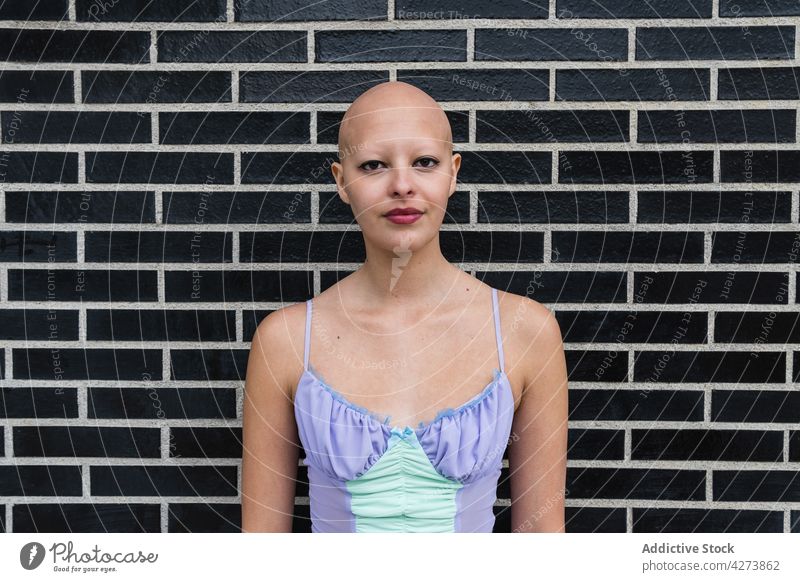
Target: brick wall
x: 165, y: 183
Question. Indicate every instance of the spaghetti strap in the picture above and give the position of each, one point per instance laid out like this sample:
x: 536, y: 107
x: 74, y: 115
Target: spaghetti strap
x: 497, y: 330
x: 308, y: 334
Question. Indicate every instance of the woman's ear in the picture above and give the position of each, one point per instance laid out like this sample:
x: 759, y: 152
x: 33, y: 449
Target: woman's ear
x: 456, y: 165
x: 338, y: 174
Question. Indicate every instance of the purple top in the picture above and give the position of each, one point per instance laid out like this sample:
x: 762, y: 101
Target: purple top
x: 342, y: 441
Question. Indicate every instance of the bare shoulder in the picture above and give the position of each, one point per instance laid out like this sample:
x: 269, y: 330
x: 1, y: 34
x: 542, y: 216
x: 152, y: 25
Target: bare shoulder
x: 278, y: 340
x: 529, y: 317
x: 534, y: 333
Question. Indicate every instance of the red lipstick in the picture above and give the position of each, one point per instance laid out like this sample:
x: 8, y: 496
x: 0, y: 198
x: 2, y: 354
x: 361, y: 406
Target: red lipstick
x: 406, y: 215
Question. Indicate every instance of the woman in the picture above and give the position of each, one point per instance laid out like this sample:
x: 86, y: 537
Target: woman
x: 376, y: 377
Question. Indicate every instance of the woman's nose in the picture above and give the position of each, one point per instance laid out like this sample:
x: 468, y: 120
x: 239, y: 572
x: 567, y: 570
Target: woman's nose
x: 401, y: 180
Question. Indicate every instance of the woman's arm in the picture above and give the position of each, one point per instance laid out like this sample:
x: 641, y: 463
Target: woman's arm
x: 537, y: 453
x: 269, y: 432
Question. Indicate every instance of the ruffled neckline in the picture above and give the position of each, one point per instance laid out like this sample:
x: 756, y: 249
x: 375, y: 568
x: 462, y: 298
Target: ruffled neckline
x: 500, y: 377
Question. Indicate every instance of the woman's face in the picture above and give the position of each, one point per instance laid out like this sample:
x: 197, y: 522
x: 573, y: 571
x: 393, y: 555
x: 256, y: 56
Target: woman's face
x: 396, y: 158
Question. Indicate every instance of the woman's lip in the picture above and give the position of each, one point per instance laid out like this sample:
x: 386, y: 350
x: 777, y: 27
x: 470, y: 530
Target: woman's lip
x: 404, y: 218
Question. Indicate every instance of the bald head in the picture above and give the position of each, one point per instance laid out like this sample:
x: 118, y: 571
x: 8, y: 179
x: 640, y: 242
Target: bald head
x: 392, y: 99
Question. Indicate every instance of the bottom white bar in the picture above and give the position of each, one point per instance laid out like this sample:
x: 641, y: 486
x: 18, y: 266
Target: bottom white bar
x: 333, y: 557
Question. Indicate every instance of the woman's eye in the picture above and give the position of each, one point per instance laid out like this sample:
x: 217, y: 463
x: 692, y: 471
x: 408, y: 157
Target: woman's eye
x: 432, y: 160
x: 365, y: 164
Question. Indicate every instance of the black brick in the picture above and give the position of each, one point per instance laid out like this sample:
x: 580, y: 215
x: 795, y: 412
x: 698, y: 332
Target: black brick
x: 465, y: 9
x: 37, y: 246
x: 762, y: 83
x: 38, y: 166
x: 624, y: 483
x: 86, y: 364
x: 75, y: 127
x: 39, y: 480
x: 39, y: 324
x: 163, y: 481
x: 548, y: 126
x: 74, y: 46
x: 569, y: 285
x: 301, y: 519
x: 627, y: 247
x: 759, y: 8
x: 701, y: 520
x: 577, y: 207
x: 505, y: 167
x: 755, y: 406
x: 208, y: 364
x: 36, y: 402
x: 25, y: 10
x: 204, y: 518
x: 480, y: 85
x: 757, y: 327
x: 693, y: 207
x: 206, y: 442
x: 551, y: 44
x: 159, y: 167
x: 633, y: 85
x: 755, y: 247
x: 308, y: 247
x: 86, y: 441
x: 715, y: 43
x: 728, y: 126
x: 237, y: 207
x: 729, y: 366
x: 656, y: 167
x: 290, y: 11
x: 171, y: 247
x: 87, y: 518
x: 719, y: 286
x: 632, y: 326
x: 77, y: 285
x: 162, y: 402
x: 636, y: 405
x: 274, y: 46
x: 754, y: 486
x: 36, y: 86
x: 148, y: 11
x: 594, y: 519
x: 596, y: 444
x: 365, y: 46
x: 769, y: 166
x: 253, y: 127
x: 288, y: 167
x: 245, y: 285
x: 160, y: 325
x: 633, y: 9
x: 86, y: 206
x: 594, y: 366
x: 706, y: 445
x: 310, y: 87
x: 156, y: 86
